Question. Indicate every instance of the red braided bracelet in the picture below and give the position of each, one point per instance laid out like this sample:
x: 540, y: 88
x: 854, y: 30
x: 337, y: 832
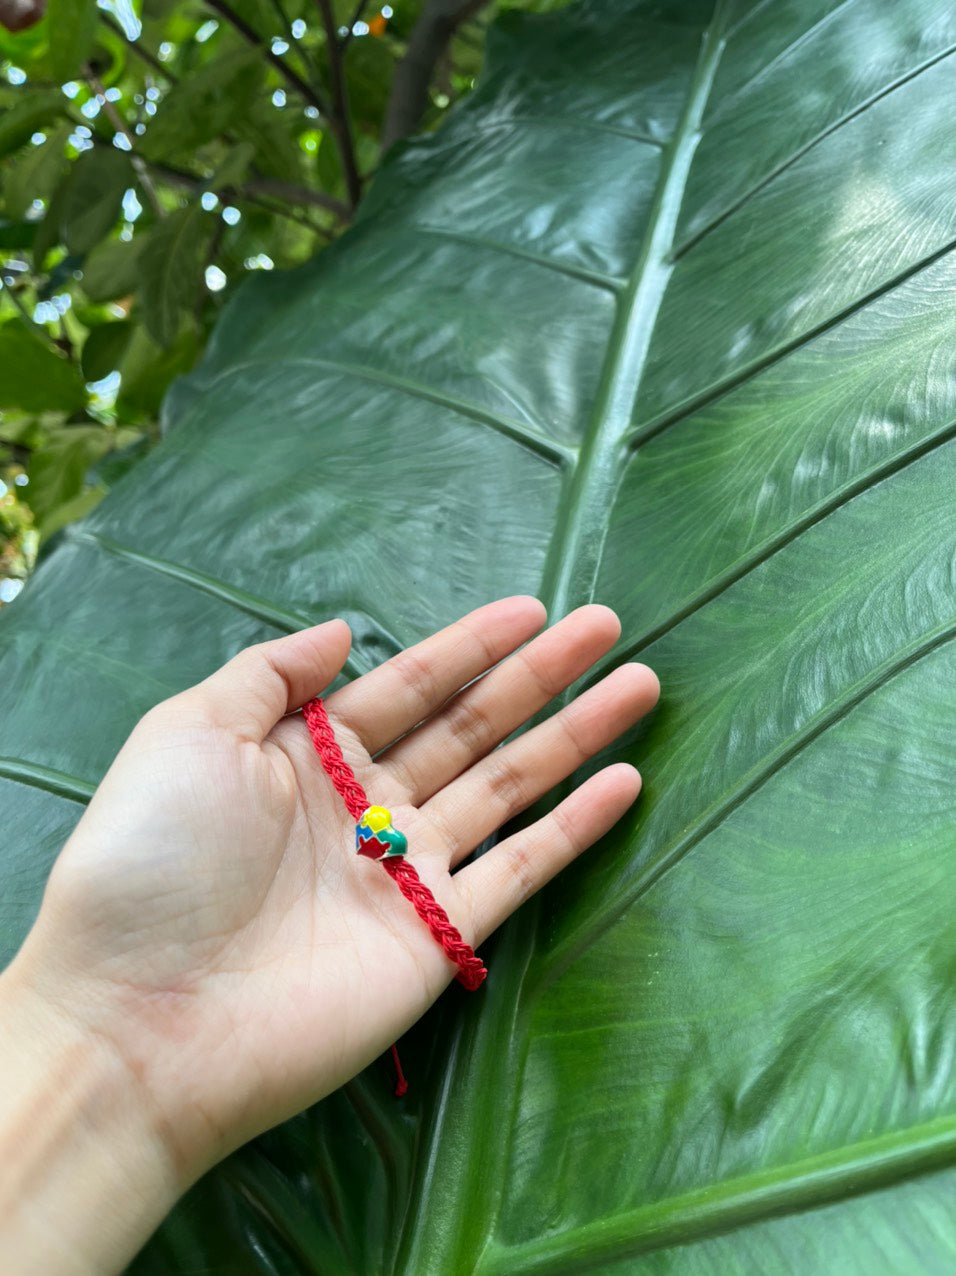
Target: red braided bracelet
x: 376, y: 838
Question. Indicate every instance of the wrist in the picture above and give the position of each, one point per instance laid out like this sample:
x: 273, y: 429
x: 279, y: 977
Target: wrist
x: 85, y: 1173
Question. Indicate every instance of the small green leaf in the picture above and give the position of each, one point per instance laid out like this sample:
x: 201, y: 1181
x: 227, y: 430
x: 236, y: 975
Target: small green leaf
x: 18, y: 234
x: 112, y: 268
x: 171, y: 271
x: 22, y: 428
x: 329, y: 166
x: 232, y: 170
x: 104, y: 348
x: 35, y: 172
x: 277, y: 151
x: 33, y: 377
x: 47, y: 234
x: 75, y: 508
x: 370, y: 67
x: 203, y: 105
x: 72, y: 32
x: 147, y: 369
x: 130, y: 446
x: 58, y: 473
x: 171, y: 267
x: 19, y: 123
x: 113, y: 60
x: 93, y: 196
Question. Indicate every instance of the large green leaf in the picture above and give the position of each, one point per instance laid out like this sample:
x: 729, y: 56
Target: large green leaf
x: 662, y: 316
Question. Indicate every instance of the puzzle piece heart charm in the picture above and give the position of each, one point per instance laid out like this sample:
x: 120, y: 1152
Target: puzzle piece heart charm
x: 376, y: 838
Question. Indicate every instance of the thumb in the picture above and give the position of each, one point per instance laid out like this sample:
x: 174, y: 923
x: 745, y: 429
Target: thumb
x: 253, y: 690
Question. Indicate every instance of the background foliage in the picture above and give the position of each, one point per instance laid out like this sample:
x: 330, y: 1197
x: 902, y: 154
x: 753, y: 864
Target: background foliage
x: 151, y: 158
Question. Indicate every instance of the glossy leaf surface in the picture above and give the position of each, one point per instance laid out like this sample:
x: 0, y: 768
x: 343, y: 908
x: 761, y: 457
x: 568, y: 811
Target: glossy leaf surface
x: 662, y: 317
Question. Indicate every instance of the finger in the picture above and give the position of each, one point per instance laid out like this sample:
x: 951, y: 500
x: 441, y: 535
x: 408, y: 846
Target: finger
x: 510, y: 779
x: 253, y: 690
x: 502, y: 879
x: 400, y: 693
x: 480, y: 717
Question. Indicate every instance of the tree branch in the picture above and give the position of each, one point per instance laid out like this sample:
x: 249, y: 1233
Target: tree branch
x: 290, y: 39
x: 296, y: 195
x: 114, y: 117
x: 139, y: 49
x: 11, y: 292
x: 267, y: 206
x: 359, y: 10
x: 302, y: 87
x: 339, y: 120
x: 250, y: 190
x: 255, y: 189
x: 286, y: 24
x: 413, y: 75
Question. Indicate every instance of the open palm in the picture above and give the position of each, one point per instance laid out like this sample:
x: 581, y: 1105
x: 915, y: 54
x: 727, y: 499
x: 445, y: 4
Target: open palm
x: 235, y: 949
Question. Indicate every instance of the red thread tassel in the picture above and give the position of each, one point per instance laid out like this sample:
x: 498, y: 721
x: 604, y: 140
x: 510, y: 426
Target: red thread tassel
x: 401, y: 1085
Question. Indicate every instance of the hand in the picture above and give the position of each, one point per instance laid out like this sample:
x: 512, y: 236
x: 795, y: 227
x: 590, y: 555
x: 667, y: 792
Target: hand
x: 208, y: 919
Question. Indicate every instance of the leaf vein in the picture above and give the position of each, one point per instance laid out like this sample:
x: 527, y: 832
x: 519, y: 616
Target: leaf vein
x: 641, y: 433
x: 815, y: 514
x: 777, y: 60
x: 751, y: 192
x: 644, y: 879
x: 517, y: 431
x: 595, y: 277
x: 238, y: 598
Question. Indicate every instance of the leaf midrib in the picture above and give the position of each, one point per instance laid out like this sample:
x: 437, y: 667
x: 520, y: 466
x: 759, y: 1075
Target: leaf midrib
x: 575, y: 551
x: 436, y: 1225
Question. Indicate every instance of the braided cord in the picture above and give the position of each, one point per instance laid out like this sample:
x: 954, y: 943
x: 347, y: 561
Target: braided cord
x: 471, y: 970
x: 330, y: 755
